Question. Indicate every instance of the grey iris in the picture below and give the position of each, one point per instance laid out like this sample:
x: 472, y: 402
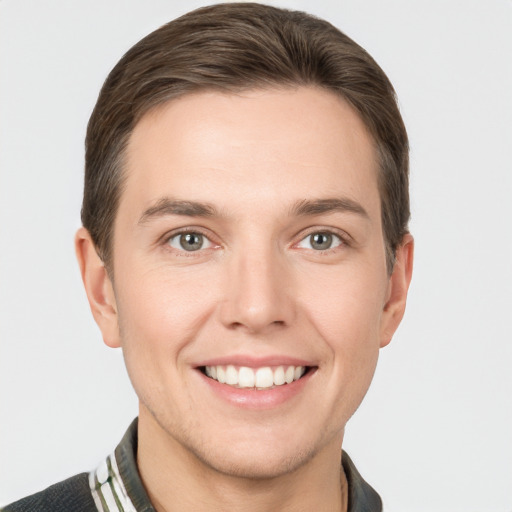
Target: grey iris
x: 321, y: 241
x: 191, y: 241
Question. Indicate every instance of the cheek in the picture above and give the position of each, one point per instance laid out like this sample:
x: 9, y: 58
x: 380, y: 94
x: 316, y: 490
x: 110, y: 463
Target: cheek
x: 159, y: 315
x: 164, y: 302
x: 347, y: 316
x: 351, y: 335
x: 160, y: 311
x: 350, y: 330
x: 345, y: 306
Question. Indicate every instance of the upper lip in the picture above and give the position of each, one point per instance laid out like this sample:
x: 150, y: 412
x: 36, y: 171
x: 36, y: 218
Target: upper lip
x: 254, y: 362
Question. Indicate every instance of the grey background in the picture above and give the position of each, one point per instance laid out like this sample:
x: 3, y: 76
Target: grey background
x: 435, y: 431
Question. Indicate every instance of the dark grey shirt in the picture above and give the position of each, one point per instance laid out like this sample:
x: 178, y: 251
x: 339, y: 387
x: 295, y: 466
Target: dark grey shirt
x: 116, y: 486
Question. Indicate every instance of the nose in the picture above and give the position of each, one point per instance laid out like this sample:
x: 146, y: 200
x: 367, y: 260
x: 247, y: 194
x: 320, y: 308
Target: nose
x: 258, y: 297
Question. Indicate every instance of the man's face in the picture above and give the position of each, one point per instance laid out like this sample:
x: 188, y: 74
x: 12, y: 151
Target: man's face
x: 248, y: 241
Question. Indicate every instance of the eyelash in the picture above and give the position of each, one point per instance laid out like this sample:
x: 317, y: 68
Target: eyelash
x: 168, y: 238
x: 342, y: 238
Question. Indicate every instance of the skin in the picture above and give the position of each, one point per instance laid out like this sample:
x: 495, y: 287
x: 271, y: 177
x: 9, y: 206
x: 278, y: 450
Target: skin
x: 257, y: 288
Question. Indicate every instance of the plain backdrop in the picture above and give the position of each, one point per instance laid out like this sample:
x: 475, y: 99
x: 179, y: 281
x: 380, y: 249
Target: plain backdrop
x: 435, y: 430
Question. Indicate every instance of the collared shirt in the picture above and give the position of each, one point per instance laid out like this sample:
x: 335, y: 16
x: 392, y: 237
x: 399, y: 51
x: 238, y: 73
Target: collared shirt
x: 115, y: 486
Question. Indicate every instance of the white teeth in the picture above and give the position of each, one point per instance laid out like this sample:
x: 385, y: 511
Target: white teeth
x: 264, y: 377
x: 221, y: 374
x: 279, y: 376
x: 261, y: 378
x: 231, y: 375
x: 246, y: 377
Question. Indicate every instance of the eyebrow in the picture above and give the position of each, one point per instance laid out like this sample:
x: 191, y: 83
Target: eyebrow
x: 319, y: 206
x: 167, y: 206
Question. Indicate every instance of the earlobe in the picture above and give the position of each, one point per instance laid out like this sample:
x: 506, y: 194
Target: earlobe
x: 399, y: 282
x: 98, y: 288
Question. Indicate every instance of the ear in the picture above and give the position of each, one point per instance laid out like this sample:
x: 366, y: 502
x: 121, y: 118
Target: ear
x: 398, y: 286
x: 98, y: 287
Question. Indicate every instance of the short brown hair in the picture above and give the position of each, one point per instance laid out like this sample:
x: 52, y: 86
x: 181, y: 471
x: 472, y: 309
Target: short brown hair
x: 232, y: 47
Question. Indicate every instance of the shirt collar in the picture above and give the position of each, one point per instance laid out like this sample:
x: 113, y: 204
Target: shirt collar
x: 361, y: 495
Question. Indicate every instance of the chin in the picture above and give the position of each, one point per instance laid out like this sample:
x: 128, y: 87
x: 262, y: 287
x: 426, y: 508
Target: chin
x: 257, y: 455
x: 251, y: 450
x: 255, y: 462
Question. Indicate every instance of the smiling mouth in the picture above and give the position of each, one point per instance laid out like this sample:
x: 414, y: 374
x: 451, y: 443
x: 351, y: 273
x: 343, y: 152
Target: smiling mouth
x: 263, y: 378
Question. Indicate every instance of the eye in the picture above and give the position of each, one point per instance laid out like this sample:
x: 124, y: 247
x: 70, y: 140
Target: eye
x: 190, y: 241
x: 320, y: 241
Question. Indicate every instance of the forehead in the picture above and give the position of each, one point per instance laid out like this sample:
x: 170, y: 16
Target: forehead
x: 260, y: 145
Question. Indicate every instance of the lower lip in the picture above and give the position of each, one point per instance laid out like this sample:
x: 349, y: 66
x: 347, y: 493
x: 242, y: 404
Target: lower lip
x: 257, y: 399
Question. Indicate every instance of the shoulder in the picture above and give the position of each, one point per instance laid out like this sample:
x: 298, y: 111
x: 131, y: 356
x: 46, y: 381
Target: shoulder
x: 71, y: 495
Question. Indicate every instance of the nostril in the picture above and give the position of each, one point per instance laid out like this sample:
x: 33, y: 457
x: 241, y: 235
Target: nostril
x: 253, y: 327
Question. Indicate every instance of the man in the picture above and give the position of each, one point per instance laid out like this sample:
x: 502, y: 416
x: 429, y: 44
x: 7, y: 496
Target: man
x: 245, y: 242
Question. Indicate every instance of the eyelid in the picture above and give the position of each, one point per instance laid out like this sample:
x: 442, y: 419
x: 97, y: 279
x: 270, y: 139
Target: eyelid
x: 175, y: 240
x: 345, y: 238
x: 166, y: 238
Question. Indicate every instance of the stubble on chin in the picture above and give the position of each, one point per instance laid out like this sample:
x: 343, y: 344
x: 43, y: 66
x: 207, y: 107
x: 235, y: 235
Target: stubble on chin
x: 201, y: 455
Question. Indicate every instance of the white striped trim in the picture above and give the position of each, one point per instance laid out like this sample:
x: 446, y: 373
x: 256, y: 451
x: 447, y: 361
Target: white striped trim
x: 107, y: 488
x: 118, y: 483
x: 109, y: 497
x: 95, y: 496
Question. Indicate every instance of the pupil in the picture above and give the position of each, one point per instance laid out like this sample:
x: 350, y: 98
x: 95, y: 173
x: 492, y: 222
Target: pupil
x: 321, y: 241
x: 191, y: 241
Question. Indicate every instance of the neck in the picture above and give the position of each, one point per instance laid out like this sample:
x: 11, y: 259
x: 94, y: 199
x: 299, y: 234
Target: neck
x: 176, y: 479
